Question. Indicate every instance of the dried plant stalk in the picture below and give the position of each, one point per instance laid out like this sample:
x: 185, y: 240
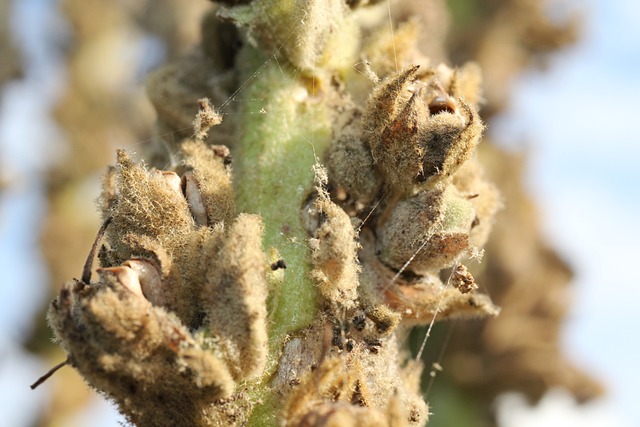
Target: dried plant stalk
x: 361, y: 191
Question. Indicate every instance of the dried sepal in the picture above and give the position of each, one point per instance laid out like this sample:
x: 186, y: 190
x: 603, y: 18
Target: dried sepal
x: 350, y: 166
x: 486, y: 199
x: 386, y: 51
x: 234, y: 297
x: 331, y: 395
x: 419, y: 299
x: 197, y: 254
x: 147, y: 204
x: 341, y: 414
x: 334, y: 254
x: 206, y: 118
x: 139, y: 355
x: 466, y: 83
x: 426, y: 299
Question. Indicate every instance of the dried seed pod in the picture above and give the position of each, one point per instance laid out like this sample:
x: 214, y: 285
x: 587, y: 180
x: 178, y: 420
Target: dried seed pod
x: 158, y: 274
x: 417, y: 132
x: 138, y: 355
x: 174, y: 91
x: 173, y: 181
x: 429, y: 231
x: 126, y: 276
x: 153, y: 220
x: 234, y: 298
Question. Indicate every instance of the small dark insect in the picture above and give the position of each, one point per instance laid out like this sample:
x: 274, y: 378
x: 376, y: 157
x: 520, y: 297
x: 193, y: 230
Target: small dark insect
x: 278, y: 265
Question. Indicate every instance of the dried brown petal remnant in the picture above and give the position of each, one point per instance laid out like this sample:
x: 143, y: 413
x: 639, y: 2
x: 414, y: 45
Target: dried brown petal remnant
x: 462, y: 280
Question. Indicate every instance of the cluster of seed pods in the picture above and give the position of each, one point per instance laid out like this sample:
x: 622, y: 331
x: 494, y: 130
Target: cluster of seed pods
x: 176, y: 259
x: 177, y: 328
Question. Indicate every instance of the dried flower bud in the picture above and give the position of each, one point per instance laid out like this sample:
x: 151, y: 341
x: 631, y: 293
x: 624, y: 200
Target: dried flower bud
x: 385, y: 319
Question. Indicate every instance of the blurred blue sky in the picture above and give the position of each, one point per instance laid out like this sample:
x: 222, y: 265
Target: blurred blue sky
x: 583, y: 171
x: 580, y: 117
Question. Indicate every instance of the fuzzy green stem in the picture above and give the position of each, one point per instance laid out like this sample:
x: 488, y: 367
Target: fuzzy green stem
x: 284, y: 130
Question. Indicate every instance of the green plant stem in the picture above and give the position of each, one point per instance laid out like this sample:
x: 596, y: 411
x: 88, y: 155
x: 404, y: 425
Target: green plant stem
x: 284, y: 130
